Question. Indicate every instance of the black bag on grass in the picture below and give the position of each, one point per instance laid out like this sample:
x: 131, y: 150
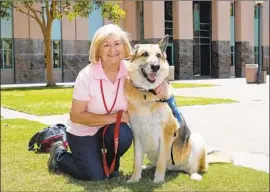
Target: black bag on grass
x: 46, y: 137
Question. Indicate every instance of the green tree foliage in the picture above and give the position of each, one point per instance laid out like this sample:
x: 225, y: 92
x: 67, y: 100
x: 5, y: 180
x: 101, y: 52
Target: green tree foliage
x: 4, y: 9
x: 51, y: 10
x: 112, y: 12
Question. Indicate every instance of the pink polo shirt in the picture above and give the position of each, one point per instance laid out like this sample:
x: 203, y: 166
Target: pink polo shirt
x: 87, y: 88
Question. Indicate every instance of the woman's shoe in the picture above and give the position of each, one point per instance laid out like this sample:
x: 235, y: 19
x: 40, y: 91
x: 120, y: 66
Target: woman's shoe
x: 56, y: 148
x: 114, y: 174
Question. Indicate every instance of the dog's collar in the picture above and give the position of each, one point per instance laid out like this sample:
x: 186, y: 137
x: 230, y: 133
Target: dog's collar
x: 142, y: 89
x: 147, y: 90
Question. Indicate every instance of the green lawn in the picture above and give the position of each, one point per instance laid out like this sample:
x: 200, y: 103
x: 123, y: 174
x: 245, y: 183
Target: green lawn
x: 39, y: 101
x: 190, y: 85
x: 54, y: 101
x: 188, y: 101
x: 22, y: 170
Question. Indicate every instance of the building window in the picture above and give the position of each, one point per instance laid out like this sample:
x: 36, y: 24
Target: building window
x: 256, y: 14
x: 141, y: 22
x: 256, y: 33
x: 57, y: 54
x: 169, y: 30
x: 232, y: 10
x: 95, y: 20
x: 196, y: 19
x: 6, y: 57
x: 232, y: 42
x: 168, y: 19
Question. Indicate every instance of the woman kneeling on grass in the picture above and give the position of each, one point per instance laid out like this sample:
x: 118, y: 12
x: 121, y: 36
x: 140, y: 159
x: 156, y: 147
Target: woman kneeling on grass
x: 90, y: 111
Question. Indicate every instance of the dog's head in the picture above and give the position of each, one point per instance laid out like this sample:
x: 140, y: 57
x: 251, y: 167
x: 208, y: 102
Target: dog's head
x: 148, y: 65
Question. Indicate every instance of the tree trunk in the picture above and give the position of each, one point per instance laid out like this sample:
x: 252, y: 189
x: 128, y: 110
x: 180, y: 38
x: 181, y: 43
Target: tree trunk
x: 48, y: 53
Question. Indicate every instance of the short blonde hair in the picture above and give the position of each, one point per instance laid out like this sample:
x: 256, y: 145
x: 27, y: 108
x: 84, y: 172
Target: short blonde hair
x: 104, y: 32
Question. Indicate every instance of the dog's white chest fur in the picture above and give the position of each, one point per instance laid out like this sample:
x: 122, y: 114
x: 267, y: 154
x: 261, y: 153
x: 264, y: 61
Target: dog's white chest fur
x: 147, y: 126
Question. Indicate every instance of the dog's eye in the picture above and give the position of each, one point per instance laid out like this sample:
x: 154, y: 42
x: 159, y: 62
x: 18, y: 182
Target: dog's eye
x: 158, y: 55
x: 145, y: 54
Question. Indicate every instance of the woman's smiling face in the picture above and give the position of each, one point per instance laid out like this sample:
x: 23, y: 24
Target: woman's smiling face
x: 112, y: 50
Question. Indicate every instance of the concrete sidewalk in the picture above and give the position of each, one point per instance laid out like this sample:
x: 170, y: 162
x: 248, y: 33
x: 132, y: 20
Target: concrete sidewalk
x: 234, y: 88
x: 48, y: 120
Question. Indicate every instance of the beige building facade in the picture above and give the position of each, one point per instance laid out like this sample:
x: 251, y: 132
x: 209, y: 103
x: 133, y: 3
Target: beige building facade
x: 208, y: 38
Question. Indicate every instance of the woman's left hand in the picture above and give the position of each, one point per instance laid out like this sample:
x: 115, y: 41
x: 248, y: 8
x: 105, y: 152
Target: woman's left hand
x: 162, y: 90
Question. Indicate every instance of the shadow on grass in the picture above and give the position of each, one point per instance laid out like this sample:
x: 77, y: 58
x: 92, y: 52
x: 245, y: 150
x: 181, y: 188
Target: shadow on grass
x: 120, y: 183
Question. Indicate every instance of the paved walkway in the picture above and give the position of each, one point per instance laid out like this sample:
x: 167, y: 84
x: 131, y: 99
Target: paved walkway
x: 234, y: 88
x: 242, y: 128
x: 49, y: 120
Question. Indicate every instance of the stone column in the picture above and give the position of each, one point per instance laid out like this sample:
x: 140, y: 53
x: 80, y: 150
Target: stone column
x: 154, y: 24
x: 28, y: 48
x: 183, y: 39
x: 132, y: 20
x: 265, y: 35
x: 220, y: 56
x: 75, y: 47
x: 244, y: 35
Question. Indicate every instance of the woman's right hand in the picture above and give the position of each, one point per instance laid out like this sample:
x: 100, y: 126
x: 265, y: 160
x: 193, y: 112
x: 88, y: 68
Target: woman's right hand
x: 125, y: 117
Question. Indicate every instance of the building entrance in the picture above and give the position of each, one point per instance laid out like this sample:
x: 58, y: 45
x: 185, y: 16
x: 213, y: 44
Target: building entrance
x: 202, y: 38
x: 169, y: 30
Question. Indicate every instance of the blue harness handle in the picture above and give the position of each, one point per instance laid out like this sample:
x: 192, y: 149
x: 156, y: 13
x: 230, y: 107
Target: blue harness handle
x: 177, y: 114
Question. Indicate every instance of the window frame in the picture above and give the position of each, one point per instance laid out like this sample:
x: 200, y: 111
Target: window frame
x: 59, y: 50
x: 141, y: 18
x: 232, y: 47
x: 2, y: 49
x: 256, y: 38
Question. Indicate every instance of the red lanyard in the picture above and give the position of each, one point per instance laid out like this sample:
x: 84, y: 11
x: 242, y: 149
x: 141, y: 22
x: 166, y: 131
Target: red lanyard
x: 108, y: 171
x: 103, y: 98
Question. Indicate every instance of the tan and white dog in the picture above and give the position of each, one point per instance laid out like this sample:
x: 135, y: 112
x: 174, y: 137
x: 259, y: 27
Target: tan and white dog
x: 157, y: 133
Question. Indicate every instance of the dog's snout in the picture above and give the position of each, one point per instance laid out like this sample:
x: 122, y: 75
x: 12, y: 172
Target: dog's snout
x: 155, y: 68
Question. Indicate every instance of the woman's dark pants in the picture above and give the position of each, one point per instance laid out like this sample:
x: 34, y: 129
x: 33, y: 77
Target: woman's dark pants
x: 85, y: 162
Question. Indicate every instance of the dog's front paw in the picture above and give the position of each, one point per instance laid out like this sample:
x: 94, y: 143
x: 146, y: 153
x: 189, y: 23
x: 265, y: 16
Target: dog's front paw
x: 133, y: 179
x: 196, y: 176
x: 159, y: 178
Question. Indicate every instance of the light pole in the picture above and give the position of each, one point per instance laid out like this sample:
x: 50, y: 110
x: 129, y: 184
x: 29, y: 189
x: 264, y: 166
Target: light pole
x: 259, y: 74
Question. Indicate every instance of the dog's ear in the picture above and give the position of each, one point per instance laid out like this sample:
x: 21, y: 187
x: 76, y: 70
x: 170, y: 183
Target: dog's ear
x: 163, y: 43
x: 136, y: 47
x: 134, y: 52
